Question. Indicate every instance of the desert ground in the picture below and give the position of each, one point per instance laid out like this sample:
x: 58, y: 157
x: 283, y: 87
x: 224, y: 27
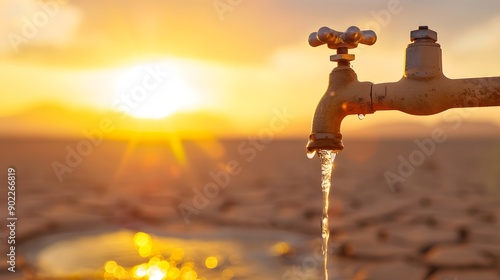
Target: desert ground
x: 398, y: 209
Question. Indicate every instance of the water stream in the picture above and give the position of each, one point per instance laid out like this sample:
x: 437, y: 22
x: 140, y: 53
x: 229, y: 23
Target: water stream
x: 327, y: 158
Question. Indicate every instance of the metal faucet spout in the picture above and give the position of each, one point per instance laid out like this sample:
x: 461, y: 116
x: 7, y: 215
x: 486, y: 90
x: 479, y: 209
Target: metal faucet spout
x: 344, y: 96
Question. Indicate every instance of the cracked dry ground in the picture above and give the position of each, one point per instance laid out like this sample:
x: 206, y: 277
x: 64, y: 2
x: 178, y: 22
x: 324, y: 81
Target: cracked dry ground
x: 442, y: 223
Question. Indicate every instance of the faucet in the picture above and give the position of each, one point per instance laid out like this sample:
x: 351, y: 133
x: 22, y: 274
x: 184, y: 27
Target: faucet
x: 423, y: 89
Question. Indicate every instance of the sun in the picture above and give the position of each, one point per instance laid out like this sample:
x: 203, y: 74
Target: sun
x: 153, y: 90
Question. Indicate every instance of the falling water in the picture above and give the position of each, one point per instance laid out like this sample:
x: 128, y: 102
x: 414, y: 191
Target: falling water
x: 327, y: 157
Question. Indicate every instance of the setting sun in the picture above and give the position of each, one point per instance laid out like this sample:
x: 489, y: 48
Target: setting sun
x: 153, y: 91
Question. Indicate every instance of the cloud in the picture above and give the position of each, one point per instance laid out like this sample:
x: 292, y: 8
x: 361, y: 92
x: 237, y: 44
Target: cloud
x: 33, y: 23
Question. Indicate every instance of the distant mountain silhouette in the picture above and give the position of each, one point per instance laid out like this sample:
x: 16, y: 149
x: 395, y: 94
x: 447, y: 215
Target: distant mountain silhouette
x: 52, y: 120
x: 56, y: 121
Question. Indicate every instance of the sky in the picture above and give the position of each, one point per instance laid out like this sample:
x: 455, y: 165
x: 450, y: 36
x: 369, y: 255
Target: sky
x: 220, y: 67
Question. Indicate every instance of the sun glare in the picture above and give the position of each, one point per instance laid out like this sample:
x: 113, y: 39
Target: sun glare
x: 153, y: 91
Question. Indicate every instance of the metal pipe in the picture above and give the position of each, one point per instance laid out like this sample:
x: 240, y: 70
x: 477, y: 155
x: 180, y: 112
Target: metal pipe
x: 430, y: 97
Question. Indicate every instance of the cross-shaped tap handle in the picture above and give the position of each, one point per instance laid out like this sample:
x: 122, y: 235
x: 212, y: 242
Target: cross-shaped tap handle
x: 342, y: 41
x: 348, y: 39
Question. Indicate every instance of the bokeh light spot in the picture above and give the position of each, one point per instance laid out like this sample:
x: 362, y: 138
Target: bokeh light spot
x: 140, y: 271
x: 173, y: 273
x: 190, y: 275
x: 110, y: 266
x: 177, y: 254
x: 281, y: 248
x: 141, y: 239
x: 211, y: 262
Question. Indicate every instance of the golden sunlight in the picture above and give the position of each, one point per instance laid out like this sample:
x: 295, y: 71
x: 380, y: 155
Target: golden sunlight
x: 153, y: 90
x: 160, y: 267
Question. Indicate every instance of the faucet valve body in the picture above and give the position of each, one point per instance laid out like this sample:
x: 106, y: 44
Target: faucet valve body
x: 345, y: 94
x: 423, y: 55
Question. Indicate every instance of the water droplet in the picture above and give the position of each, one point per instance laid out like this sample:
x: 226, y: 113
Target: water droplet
x: 361, y: 117
x: 310, y: 155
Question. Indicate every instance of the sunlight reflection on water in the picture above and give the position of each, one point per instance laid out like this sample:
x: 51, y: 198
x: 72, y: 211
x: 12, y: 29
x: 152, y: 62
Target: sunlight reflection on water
x: 158, y: 267
x: 138, y: 255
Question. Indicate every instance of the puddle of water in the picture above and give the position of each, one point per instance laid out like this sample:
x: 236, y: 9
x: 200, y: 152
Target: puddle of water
x: 126, y: 254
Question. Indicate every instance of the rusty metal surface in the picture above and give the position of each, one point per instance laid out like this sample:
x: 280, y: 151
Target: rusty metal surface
x: 423, y: 90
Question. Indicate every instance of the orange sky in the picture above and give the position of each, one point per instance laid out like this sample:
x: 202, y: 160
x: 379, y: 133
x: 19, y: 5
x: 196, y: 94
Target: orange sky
x: 228, y: 65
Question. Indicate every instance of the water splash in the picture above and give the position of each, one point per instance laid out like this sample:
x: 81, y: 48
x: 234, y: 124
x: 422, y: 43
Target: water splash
x: 310, y: 155
x: 361, y: 117
x: 327, y: 158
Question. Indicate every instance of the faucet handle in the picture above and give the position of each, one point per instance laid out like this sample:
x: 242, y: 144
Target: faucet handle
x: 348, y: 39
